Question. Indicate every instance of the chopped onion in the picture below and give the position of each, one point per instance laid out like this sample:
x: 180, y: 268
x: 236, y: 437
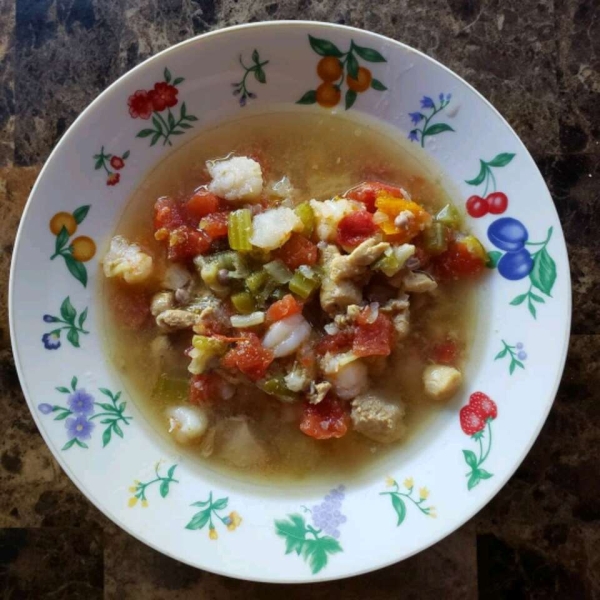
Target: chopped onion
x: 331, y: 328
x: 373, y: 312
x: 241, y: 321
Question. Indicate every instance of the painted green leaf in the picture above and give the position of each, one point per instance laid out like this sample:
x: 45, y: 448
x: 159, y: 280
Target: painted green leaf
x: 156, y: 137
x: 82, y: 317
x: 350, y: 98
x: 106, y: 406
x: 183, y: 112
x: 167, y: 75
x: 512, y: 367
x: 309, y: 98
x: 324, y: 47
x: 518, y: 300
x: 501, y: 354
x: 316, y: 552
x: 125, y: 155
x: 63, y: 390
x: 157, y: 124
x: 200, y: 504
x: 106, y: 437
x: 74, y: 383
x: 61, y: 239
x: 191, y: 118
x: 122, y: 406
x: 116, y: 396
x: 255, y: 57
x: 98, y: 164
x: 80, y: 443
x: 171, y: 471
x: 77, y: 269
x: 536, y: 298
x: 543, y: 274
x: 352, y: 66
x: 145, y: 133
x: 178, y: 80
x: 368, y: 54
x: 377, y: 85
x: 470, y: 458
x: 293, y: 530
x: 63, y: 415
x: 106, y: 392
x: 220, y: 504
x: 483, y: 474
x: 501, y: 160
x: 69, y: 444
x: 492, y: 259
x: 79, y: 214
x: 481, y: 177
x: 532, y: 309
x: 73, y: 337
x: 185, y: 125
x: 437, y: 128
x: 117, y: 429
x: 259, y: 75
x: 199, y: 520
x: 164, y: 489
x: 400, y: 508
x: 67, y: 312
x: 474, y: 480
x: 519, y: 363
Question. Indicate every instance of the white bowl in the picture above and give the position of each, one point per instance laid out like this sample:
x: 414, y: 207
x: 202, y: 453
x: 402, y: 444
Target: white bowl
x: 447, y: 468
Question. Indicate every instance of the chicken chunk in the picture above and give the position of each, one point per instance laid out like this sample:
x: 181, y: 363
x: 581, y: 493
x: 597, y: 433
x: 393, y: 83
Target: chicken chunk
x: 174, y: 319
x: 336, y: 295
x: 418, y: 282
x: 127, y: 261
x: 161, y: 302
x: 399, y: 309
x: 236, y: 179
x: 355, y: 264
x: 378, y: 419
x: 441, y: 382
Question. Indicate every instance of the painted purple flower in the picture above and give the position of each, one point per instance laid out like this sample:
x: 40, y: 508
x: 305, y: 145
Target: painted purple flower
x: 427, y: 102
x: 413, y: 136
x: 51, y: 340
x: 416, y: 117
x: 243, y: 100
x: 45, y: 409
x: 79, y: 427
x: 81, y: 403
x: 50, y: 319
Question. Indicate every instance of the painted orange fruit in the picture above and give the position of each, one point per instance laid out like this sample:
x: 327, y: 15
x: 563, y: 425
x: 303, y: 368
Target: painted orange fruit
x: 329, y: 68
x: 63, y: 219
x: 84, y: 248
x: 362, y: 82
x: 328, y: 95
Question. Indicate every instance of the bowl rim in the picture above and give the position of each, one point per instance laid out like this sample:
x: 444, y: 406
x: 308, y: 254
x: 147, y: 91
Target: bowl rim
x: 112, y: 88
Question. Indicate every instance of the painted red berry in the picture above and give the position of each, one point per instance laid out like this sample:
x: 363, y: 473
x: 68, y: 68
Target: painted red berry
x: 116, y: 162
x: 471, y: 420
x: 477, y: 207
x: 497, y: 202
x: 484, y: 405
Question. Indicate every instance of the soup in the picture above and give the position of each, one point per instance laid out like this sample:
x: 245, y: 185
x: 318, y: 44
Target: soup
x: 290, y: 295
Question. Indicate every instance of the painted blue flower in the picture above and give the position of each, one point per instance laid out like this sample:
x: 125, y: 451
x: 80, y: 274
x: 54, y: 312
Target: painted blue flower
x: 79, y: 427
x: 50, y: 319
x: 520, y: 346
x: 45, y: 409
x: 427, y: 102
x: 243, y: 101
x: 416, y: 117
x: 81, y: 403
x: 522, y: 355
x: 413, y: 136
x: 51, y: 340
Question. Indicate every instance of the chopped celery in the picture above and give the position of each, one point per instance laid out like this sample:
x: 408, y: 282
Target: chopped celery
x: 275, y: 386
x: 167, y: 388
x: 203, y: 350
x: 305, y: 212
x: 256, y: 281
x: 434, y: 239
x: 243, y: 302
x: 449, y: 216
x: 389, y: 265
x: 239, y: 230
x: 278, y: 271
x: 304, y: 282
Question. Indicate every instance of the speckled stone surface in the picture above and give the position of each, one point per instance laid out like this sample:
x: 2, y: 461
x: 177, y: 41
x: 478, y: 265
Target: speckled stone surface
x: 539, y: 64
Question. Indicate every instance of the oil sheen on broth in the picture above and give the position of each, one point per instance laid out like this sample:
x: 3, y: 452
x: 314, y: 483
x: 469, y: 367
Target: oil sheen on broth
x: 322, y: 155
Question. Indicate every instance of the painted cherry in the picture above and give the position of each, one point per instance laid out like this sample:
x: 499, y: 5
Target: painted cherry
x: 477, y: 207
x: 497, y: 202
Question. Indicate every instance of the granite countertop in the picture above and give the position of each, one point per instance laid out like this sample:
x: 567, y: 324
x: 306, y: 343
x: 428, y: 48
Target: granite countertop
x: 538, y: 62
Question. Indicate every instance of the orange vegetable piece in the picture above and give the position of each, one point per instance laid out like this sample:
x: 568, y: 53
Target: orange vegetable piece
x: 202, y: 203
x: 392, y: 206
x: 286, y: 307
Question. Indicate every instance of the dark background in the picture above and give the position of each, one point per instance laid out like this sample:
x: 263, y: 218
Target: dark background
x: 538, y: 62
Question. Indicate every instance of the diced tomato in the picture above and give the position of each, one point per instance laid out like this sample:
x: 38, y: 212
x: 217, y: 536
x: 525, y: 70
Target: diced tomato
x: 336, y: 342
x: 306, y: 355
x: 168, y: 214
x: 249, y: 357
x: 373, y: 339
x: 460, y: 261
x: 215, y: 224
x: 202, y: 203
x: 445, y: 353
x: 186, y: 243
x: 297, y: 251
x: 422, y: 256
x: 367, y: 193
x: 355, y: 228
x: 204, y: 388
x: 286, y: 307
x: 130, y: 307
x: 325, y: 420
